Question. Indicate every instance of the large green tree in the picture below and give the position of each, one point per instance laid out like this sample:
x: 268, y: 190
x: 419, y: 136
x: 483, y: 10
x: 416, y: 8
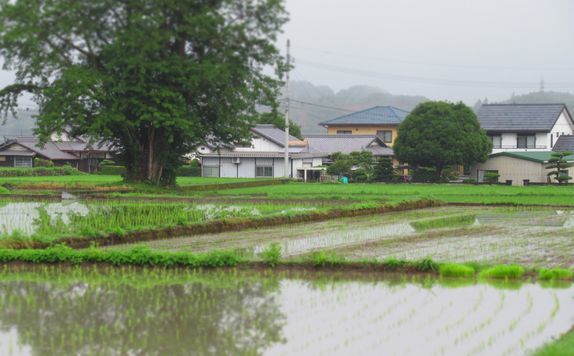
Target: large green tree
x: 441, y: 134
x: 154, y: 77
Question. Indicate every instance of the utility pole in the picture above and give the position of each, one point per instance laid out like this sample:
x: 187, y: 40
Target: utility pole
x: 286, y: 169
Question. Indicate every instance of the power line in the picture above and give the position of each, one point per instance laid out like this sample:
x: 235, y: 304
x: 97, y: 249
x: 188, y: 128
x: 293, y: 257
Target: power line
x: 433, y: 81
x: 434, y: 64
x: 319, y: 105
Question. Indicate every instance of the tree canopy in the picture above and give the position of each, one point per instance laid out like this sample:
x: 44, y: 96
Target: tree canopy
x: 441, y: 134
x: 153, y: 77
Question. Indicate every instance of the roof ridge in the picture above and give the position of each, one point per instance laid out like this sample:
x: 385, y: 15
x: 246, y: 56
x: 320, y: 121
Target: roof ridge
x: 525, y: 104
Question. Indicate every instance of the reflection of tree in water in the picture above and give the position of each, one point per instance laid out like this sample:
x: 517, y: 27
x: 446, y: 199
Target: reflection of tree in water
x: 111, y: 317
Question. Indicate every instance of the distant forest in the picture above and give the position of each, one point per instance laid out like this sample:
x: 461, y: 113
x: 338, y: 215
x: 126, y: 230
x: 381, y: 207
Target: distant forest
x: 312, y: 104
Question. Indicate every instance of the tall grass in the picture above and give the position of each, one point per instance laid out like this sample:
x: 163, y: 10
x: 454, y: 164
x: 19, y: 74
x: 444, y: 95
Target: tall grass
x: 554, y: 274
x: 456, y: 270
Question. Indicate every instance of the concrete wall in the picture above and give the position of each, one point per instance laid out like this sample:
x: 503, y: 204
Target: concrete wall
x: 364, y: 130
x: 516, y: 170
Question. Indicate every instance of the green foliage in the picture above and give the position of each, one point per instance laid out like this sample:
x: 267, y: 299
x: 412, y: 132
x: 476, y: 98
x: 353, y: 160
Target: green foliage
x: 357, y: 165
x: 271, y: 255
x: 326, y: 259
x: 139, y: 256
x: 393, y: 263
x: 426, y: 265
x: 112, y: 170
x: 384, y: 170
x: 425, y: 175
x: 153, y: 77
x: 503, y: 271
x: 341, y: 166
x: 564, y: 346
x: 278, y: 120
x: 39, y: 162
x: 559, y: 165
x: 189, y: 170
x: 554, y: 273
x: 440, y: 134
x: 491, y: 177
x: 39, y: 171
x: 456, y: 270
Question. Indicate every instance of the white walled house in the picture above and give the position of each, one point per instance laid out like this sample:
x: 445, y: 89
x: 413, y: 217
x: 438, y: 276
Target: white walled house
x: 525, y: 127
x: 262, y: 158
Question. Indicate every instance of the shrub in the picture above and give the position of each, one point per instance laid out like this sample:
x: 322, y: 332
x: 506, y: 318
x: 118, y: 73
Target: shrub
x: 107, y: 162
x: 503, y: 271
x: 271, y: 255
x: 112, y: 170
x: 491, y: 177
x: 555, y: 273
x: 189, y: 170
x: 469, y: 181
x: 425, y: 175
x: 39, y: 162
x: 39, y: 171
x: 456, y: 270
x: 324, y: 259
x: 426, y: 265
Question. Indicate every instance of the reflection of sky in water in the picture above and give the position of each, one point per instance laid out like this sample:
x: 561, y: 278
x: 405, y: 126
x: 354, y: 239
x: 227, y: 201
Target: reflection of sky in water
x: 376, y: 319
x: 556, y: 218
x: 341, y: 238
x: 21, y: 216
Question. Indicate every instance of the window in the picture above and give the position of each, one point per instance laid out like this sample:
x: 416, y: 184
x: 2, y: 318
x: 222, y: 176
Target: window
x: 22, y: 161
x: 211, y: 171
x: 526, y: 141
x: 385, y: 135
x: 344, y: 132
x: 496, y: 141
x: 264, y: 171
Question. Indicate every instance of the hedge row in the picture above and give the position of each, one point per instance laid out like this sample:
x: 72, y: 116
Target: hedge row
x: 139, y: 256
x: 183, y: 171
x: 39, y: 171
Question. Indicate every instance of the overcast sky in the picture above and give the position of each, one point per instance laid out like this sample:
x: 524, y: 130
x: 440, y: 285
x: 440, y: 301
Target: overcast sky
x: 443, y: 49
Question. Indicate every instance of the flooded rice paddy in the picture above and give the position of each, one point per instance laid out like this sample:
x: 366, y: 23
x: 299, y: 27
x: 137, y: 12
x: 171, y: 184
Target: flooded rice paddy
x: 532, y: 237
x: 50, y: 311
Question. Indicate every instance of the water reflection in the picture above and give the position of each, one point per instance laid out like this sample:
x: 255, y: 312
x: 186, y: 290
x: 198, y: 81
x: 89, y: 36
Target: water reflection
x: 48, y: 312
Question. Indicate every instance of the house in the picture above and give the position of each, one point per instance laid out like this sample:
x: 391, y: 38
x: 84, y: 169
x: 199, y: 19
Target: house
x: 329, y: 144
x: 79, y: 153
x: 517, y: 168
x: 382, y: 121
x: 263, y: 157
x: 525, y: 127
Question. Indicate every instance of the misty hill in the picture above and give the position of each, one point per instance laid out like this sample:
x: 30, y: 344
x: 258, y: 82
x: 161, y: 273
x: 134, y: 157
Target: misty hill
x: 21, y: 125
x: 329, y: 103
x: 543, y: 97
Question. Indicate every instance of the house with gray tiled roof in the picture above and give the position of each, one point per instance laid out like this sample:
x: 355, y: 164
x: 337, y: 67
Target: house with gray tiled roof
x: 525, y: 127
x: 330, y: 144
x: 382, y: 121
x: 564, y: 143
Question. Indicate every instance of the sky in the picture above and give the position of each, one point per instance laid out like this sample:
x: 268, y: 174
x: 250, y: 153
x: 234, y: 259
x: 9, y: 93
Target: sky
x: 442, y: 49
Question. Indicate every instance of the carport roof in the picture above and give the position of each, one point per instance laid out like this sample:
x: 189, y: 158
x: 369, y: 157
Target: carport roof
x: 540, y: 157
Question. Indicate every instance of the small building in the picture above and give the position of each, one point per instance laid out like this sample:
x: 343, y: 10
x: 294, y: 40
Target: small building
x: 79, y: 153
x: 263, y: 157
x: 525, y: 127
x: 381, y: 121
x: 517, y: 168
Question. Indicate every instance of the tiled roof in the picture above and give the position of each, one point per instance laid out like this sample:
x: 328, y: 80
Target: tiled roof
x: 347, y: 143
x: 272, y: 133
x: 378, y: 115
x: 519, y: 117
x: 564, y: 143
x: 252, y: 154
x: 50, y: 150
x: 540, y: 157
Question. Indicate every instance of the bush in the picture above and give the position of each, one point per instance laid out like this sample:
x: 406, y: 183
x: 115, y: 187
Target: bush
x: 39, y: 171
x: 107, y: 162
x: 450, y: 174
x: 271, y: 255
x: 189, y: 170
x: 112, y: 170
x: 491, y: 177
x: 425, y: 175
x: 556, y: 273
x: 39, y: 162
x: 503, y: 271
x: 469, y: 181
x: 456, y: 270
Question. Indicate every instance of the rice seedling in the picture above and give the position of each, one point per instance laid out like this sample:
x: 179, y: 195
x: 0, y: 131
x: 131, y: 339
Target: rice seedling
x: 503, y: 272
x: 271, y: 255
x: 456, y: 270
x: 446, y: 222
x: 554, y: 274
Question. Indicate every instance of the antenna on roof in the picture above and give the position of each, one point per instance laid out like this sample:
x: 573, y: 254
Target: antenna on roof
x: 542, y: 85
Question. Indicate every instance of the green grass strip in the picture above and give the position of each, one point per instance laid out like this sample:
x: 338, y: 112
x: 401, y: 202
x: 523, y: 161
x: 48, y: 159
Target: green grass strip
x: 554, y: 274
x: 503, y: 271
x: 451, y: 221
x: 454, y: 270
x: 564, y: 346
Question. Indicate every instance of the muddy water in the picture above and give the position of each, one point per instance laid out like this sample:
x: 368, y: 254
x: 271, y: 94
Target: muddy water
x: 156, y: 312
